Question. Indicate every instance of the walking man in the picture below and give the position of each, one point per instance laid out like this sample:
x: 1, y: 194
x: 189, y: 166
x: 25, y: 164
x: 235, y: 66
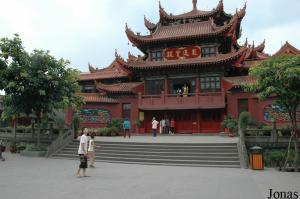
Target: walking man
x: 154, y: 126
x: 82, y: 152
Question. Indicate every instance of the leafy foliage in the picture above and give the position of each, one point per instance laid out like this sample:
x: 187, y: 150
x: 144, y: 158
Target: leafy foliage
x: 230, y: 123
x: 36, y: 83
x: 116, y: 123
x: 280, y: 77
x: 245, y: 120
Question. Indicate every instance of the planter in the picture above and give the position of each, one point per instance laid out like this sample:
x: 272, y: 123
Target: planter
x: 13, y: 149
x: 141, y: 130
x: 3, y: 148
x: 33, y: 153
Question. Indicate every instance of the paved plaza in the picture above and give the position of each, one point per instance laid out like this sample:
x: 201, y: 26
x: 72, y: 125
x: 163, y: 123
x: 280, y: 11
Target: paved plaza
x: 27, y: 178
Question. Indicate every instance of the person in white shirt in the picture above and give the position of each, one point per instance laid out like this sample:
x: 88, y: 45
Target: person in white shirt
x: 82, y: 152
x: 91, y: 150
x: 154, y: 126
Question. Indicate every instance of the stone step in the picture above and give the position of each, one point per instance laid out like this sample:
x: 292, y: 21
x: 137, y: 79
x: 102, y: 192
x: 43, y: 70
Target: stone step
x: 182, y: 154
x: 76, y: 143
x: 158, y: 164
x: 156, y: 160
x: 159, y: 156
x: 171, y: 153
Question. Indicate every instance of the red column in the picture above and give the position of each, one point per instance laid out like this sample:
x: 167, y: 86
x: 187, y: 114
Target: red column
x: 166, y: 88
x: 197, y: 89
x: 199, y: 121
x: 197, y: 85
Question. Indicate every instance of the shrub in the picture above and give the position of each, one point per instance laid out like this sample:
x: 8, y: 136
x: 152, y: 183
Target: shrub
x: 20, y: 147
x: 138, y: 123
x: 104, y: 131
x: 34, y: 147
x: 116, y: 123
x: 231, y: 124
x: 276, y: 157
x: 114, y: 131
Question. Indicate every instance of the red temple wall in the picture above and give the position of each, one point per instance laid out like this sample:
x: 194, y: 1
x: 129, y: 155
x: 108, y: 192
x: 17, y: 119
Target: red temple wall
x: 255, y: 106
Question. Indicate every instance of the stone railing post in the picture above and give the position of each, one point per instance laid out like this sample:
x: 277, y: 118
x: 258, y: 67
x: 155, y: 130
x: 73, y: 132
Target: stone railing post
x: 242, y: 148
x: 274, y: 136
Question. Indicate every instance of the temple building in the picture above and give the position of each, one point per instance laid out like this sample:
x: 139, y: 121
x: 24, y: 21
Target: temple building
x: 190, y: 71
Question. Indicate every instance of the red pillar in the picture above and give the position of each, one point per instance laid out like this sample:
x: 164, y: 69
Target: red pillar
x: 166, y: 89
x: 199, y: 121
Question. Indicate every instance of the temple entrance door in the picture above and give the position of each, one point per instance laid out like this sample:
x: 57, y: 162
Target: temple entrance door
x: 211, y: 121
x: 185, y: 121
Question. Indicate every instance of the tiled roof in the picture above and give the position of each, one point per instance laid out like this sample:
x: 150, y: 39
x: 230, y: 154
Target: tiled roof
x: 194, y: 30
x: 287, y: 48
x: 95, y: 97
x: 150, y: 26
x: 119, y: 87
x: 195, y: 13
x: 182, y: 63
x: 114, y: 71
x: 239, y: 80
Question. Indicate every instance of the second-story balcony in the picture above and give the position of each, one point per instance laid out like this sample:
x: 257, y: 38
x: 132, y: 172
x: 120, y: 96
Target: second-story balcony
x: 209, y: 100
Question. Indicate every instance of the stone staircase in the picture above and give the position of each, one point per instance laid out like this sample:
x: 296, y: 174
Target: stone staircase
x: 176, y: 154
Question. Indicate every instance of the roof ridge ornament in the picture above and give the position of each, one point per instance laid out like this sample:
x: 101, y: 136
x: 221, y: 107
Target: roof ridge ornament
x: 91, y: 68
x: 246, y: 42
x: 116, y: 53
x: 220, y: 7
x: 195, y: 4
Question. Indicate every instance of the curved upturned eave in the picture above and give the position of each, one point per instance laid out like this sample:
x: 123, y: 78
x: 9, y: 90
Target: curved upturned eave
x: 139, y: 40
x: 149, y: 25
x: 233, y: 57
x: 261, y: 47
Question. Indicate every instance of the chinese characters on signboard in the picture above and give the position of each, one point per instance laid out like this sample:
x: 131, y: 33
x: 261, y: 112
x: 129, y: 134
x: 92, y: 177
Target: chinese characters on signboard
x: 182, y: 53
x: 278, y: 113
x: 101, y: 116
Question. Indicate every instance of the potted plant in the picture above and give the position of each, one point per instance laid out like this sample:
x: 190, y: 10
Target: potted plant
x: 33, y: 150
x: 13, y: 147
x: 230, y: 126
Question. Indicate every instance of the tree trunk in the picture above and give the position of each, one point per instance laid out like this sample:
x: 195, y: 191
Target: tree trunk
x: 38, y: 114
x: 15, y: 130
x: 39, y: 134
x: 32, y: 129
x: 296, y: 159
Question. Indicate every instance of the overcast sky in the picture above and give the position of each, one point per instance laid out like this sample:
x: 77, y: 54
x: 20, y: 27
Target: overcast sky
x: 90, y: 30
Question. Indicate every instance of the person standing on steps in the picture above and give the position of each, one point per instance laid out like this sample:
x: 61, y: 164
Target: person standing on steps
x: 172, y: 126
x: 126, y: 127
x: 154, y: 126
x: 82, y: 152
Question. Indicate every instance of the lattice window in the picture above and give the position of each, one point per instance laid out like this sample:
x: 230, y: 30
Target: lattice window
x: 208, y: 51
x: 157, y: 55
x: 210, y: 83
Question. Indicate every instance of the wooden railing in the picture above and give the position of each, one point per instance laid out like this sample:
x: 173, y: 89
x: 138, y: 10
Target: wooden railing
x: 192, y: 100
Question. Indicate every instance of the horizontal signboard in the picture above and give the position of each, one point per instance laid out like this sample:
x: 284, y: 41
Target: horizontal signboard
x: 182, y: 53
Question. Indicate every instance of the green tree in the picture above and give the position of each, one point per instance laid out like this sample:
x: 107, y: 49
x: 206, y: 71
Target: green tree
x: 37, y: 83
x: 280, y: 77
